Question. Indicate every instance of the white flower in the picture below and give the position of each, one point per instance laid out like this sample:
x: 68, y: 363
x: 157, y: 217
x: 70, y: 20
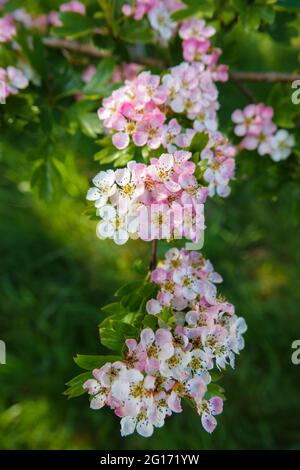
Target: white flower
x: 116, y: 226
x: 141, y: 423
x: 161, y: 21
x: 176, y: 366
x: 281, y: 144
x: 105, y: 187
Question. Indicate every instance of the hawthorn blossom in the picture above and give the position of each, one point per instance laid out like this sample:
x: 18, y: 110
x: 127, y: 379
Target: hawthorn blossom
x: 13, y: 80
x: 208, y: 410
x: 7, y: 28
x: 219, y: 157
x: 104, y: 188
x: 281, y: 145
x: 73, y: 6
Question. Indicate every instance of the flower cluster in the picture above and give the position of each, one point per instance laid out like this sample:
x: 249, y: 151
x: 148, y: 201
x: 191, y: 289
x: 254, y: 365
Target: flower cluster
x: 197, y: 47
x: 13, y: 79
x: 139, y: 110
x: 185, y: 279
x: 169, y: 365
x: 255, y: 125
x: 7, y: 28
x: 162, y: 200
x: 159, y: 15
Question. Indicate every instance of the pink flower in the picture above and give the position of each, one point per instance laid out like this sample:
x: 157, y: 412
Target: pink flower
x: 196, y: 29
x: 193, y: 49
x: 88, y: 73
x: 209, y: 409
x: 74, y: 6
x: 7, y: 28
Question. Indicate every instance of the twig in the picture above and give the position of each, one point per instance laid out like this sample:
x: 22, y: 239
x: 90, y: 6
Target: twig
x: 89, y: 49
x: 269, y: 77
x: 76, y: 46
x: 245, y: 90
x: 153, y: 256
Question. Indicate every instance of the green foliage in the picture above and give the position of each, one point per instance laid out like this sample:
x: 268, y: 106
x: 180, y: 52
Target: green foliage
x: 55, y: 273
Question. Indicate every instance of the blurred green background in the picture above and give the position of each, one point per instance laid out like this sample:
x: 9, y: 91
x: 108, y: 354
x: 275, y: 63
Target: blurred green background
x: 55, y: 274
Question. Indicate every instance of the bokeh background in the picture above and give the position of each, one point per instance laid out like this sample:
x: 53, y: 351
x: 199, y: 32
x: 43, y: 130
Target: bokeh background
x: 55, y: 274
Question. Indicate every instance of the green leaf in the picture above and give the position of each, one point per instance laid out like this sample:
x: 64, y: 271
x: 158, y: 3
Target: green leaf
x: 289, y: 4
x: 74, y: 25
x: 90, y: 124
x: 136, y: 32
x: 199, y: 142
x: 113, y: 333
x: 94, y: 362
x: 46, y: 178
x: 99, y: 86
x: 74, y: 386
x: 128, y: 288
x: 214, y: 390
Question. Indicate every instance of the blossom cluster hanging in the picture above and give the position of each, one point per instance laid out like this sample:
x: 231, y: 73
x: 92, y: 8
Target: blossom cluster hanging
x: 254, y: 124
x: 159, y: 201
x: 172, y: 364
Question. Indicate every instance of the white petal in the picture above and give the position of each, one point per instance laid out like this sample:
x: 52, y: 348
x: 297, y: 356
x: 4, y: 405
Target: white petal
x: 105, y: 230
x: 121, y: 237
x: 93, y: 194
x: 127, y: 426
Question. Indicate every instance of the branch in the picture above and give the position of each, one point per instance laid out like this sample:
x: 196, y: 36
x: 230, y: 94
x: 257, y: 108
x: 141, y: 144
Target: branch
x: 76, y: 46
x: 269, y: 77
x: 92, y: 51
x: 89, y: 49
x: 153, y: 256
x: 244, y: 89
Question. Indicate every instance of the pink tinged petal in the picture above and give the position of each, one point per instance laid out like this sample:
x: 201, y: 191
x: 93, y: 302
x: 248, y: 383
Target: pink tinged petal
x: 98, y: 402
x: 216, y: 405
x: 159, y: 275
x: 123, y: 176
x: 127, y: 426
x: 208, y: 422
x: 153, y: 307
x: 163, y: 336
x: 121, y: 237
x: 92, y: 386
x: 149, y: 382
x: 172, y: 186
x: 134, y: 375
x: 120, y: 140
x: 249, y: 143
x: 240, y: 130
x: 131, y: 345
x: 196, y: 388
x: 174, y: 403
x: 144, y: 428
x: 120, y: 390
x: 166, y: 351
x: 140, y: 138
x: 147, y: 336
x: 237, y: 116
x: 93, y: 194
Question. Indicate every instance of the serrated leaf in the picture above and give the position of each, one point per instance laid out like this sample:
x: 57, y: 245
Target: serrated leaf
x: 199, y: 142
x: 74, y: 386
x: 94, y: 362
x: 100, y: 85
x: 74, y: 25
